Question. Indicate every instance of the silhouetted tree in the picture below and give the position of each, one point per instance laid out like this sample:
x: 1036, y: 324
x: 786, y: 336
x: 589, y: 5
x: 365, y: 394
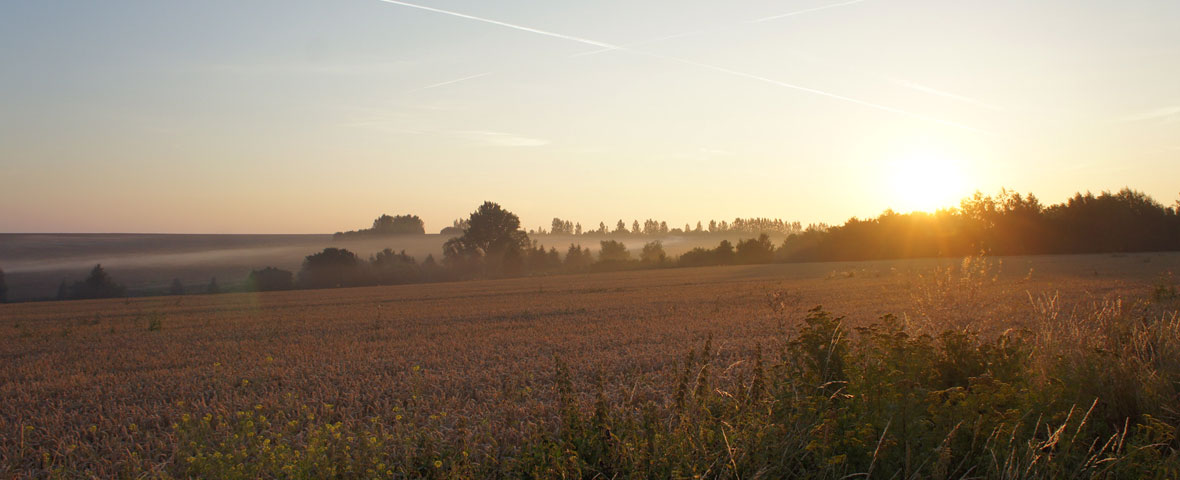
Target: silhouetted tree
x: 759, y: 250
x: 3, y: 287
x: 270, y: 279
x: 493, y: 239
x: 177, y: 288
x: 333, y: 267
x: 563, y: 227
x: 391, y: 267
x: 390, y: 225
x: 213, y: 288
x: 63, y: 291
x: 620, y: 227
x: 431, y: 270
x: 98, y: 284
x: 613, y: 252
x: 578, y: 258
x: 653, y: 253
x: 724, y: 252
x: 457, y: 227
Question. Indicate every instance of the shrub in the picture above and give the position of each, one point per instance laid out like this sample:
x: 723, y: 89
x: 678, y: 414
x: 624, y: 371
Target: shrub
x: 270, y: 279
x: 332, y: 267
x: 613, y: 251
x: 653, y: 253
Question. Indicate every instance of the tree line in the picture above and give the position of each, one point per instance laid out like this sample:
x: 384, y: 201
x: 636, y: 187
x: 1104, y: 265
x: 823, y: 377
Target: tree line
x: 388, y: 225
x: 490, y: 243
x: 650, y: 227
x: 1006, y: 224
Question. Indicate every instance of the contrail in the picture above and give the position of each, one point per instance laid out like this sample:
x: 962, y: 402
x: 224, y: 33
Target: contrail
x: 693, y: 63
x: 639, y: 44
x: 800, y: 12
x: 450, y: 82
x: 503, y: 24
x: 698, y: 32
x: 942, y: 93
x: 771, y: 81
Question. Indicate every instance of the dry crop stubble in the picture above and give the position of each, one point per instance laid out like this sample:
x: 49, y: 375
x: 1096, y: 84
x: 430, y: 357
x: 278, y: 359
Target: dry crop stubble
x: 97, y: 386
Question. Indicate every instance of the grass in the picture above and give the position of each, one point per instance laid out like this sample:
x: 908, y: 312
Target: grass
x: 715, y: 372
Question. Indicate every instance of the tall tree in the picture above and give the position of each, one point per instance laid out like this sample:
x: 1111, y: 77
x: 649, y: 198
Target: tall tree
x: 177, y: 288
x: 493, y: 236
x: 98, y: 284
x: 613, y: 251
x: 3, y: 287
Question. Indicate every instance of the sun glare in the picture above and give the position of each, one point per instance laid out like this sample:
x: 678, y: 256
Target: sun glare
x: 926, y: 182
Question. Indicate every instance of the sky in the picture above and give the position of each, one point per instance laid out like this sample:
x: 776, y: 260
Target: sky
x: 266, y: 116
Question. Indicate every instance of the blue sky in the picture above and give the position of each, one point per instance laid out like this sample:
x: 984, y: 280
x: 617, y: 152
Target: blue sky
x: 295, y: 116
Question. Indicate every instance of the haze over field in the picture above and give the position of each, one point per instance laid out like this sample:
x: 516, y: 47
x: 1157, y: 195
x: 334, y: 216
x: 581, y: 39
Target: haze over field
x: 461, y: 239
x: 307, y: 117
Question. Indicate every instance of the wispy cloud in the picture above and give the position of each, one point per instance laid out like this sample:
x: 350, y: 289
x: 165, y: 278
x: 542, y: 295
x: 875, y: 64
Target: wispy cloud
x: 1166, y: 113
x: 715, y: 68
x: 501, y: 139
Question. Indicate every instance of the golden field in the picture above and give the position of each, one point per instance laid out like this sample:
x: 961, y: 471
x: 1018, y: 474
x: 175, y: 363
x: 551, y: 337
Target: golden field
x: 110, y: 388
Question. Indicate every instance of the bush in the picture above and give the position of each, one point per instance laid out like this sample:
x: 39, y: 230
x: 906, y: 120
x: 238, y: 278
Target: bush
x: 333, y: 267
x: 755, y: 250
x: 391, y: 267
x: 613, y: 251
x: 270, y: 279
x: 653, y: 253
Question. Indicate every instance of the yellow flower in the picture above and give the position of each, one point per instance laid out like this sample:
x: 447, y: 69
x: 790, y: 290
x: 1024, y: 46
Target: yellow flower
x: 93, y: 428
x: 438, y: 464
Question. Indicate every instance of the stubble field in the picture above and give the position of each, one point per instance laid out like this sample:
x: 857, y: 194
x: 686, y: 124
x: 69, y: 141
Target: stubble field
x: 450, y: 380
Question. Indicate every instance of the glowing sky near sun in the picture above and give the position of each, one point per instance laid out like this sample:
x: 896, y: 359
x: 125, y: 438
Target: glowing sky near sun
x: 307, y: 116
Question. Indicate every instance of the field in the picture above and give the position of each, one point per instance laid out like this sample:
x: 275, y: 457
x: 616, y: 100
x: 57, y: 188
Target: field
x: 591, y: 375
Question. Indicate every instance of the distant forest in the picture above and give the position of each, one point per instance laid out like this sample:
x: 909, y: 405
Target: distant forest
x: 490, y: 243
x: 387, y: 225
x: 412, y: 225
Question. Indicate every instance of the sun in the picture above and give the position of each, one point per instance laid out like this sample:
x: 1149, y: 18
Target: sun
x: 926, y: 182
